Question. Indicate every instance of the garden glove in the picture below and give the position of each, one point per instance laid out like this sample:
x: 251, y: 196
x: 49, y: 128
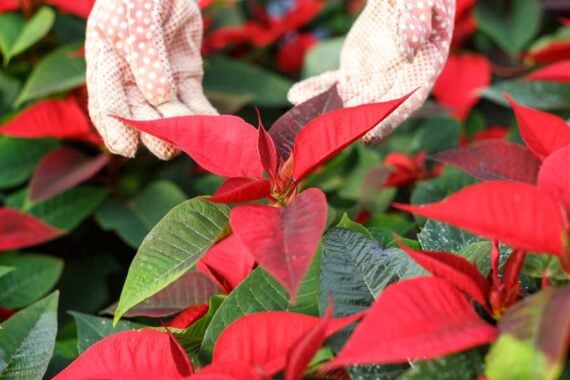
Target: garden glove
x: 144, y: 63
x: 393, y: 48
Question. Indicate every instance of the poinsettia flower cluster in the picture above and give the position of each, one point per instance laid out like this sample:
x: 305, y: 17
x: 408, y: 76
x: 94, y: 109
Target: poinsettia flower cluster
x: 282, y: 237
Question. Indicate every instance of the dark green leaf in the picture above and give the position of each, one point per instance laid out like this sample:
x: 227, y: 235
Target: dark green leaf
x: 19, y: 157
x: 33, y: 277
x: 66, y: 210
x: 133, y: 219
x: 464, y: 366
x: 59, y: 71
x: 27, y: 340
x: 91, y: 329
x: 542, y: 95
x: 510, y: 23
x: 237, y: 78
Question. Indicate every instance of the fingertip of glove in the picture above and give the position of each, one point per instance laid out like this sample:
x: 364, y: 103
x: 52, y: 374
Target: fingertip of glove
x: 159, y: 148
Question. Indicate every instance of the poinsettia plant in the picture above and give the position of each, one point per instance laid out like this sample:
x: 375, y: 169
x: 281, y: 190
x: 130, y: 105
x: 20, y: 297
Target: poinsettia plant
x: 291, y: 251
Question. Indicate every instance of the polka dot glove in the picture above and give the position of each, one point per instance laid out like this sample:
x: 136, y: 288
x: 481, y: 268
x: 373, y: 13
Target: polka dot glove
x: 393, y: 48
x: 143, y: 62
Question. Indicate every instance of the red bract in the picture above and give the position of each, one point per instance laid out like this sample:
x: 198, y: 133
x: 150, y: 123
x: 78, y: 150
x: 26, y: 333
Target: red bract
x: 9, y: 5
x: 62, y: 119
x: 553, y: 52
x: 188, y: 316
x: 557, y: 72
x: 306, y: 347
x: 406, y: 169
x: 136, y: 355
x: 80, y: 8
x: 423, y: 318
x: 543, y: 133
x: 459, y: 84
x: 515, y: 213
x: 494, y: 160
x: 457, y: 270
x: 554, y: 176
x: 227, y: 263
x: 61, y: 170
x: 283, y: 240
x: 19, y: 230
x: 229, y: 371
x: 266, y: 339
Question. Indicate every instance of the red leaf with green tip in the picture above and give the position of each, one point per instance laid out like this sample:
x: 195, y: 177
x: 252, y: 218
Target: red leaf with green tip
x: 422, y: 318
x: 265, y: 339
x: 236, y: 190
x: 223, y: 145
x: 330, y: 133
x: 457, y: 270
x: 283, y: 240
x: 62, y: 119
x: 515, y: 213
x: 61, y: 170
x: 493, y: 160
x: 19, y: 230
x: 543, y: 133
x: 227, y: 263
x: 554, y: 176
x: 141, y: 355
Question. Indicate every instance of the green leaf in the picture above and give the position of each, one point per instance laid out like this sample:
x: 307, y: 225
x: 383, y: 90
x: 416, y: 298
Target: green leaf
x: 463, y: 366
x: 91, y: 329
x: 191, y: 338
x: 533, y: 342
x: 324, y: 56
x: 512, y: 24
x: 355, y: 269
x: 9, y: 89
x: 240, y: 79
x: 5, y: 270
x: 260, y: 292
x: 377, y: 372
x: 536, y: 94
x: 33, y: 277
x: 133, y: 219
x: 171, y: 249
x: 27, y: 340
x: 19, y: 157
x: 436, y: 134
x: 64, y: 211
x: 16, y: 36
x: 347, y: 224
x: 61, y: 70
x: 437, y: 236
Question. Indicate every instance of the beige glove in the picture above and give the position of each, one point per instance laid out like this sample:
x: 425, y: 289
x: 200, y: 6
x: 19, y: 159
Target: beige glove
x: 143, y: 62
x: 393, y: 48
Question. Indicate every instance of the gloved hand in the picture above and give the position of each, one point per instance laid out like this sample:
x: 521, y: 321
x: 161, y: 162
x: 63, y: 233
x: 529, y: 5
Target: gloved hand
x: 143, y: 62
x: 393, y: 48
